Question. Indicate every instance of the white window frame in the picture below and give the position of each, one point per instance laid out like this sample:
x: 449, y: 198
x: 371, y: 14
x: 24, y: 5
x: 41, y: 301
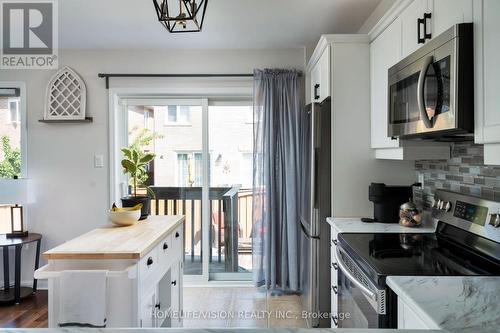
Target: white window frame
x: 22, y: 124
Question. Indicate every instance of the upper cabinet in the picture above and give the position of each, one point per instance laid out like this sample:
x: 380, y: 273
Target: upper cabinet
x: 446, y: 13
x: 385, y: 51
x: 414, y: 27
x: 487, y: 72
x: 320, y: 77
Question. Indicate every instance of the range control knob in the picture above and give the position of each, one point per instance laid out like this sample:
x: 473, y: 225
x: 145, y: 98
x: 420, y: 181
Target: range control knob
x: 495, y: 220
x: 447, y: 206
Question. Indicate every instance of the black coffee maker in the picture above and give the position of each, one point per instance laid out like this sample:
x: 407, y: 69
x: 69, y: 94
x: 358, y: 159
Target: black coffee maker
x: 386, y: 201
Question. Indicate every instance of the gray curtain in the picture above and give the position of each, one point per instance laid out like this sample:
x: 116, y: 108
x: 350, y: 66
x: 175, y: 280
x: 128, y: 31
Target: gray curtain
x: 277, y: 105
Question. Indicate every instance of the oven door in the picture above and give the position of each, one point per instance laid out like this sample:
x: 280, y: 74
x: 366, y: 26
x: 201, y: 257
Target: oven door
x: 421, y: 95
x: 360, y: 303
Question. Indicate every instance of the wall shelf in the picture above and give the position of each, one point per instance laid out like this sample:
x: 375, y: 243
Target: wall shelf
x: 54, y: 121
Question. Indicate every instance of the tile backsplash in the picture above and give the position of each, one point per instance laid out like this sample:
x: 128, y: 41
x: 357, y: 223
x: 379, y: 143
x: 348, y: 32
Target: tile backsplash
x: 464, y: 172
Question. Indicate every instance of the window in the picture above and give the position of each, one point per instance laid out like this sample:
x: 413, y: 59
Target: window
x: 178, y: 115
x: 12, y: 131
x: 189, y: 166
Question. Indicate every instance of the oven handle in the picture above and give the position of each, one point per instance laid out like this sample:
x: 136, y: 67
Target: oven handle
x: 351, y: 277
x: 420, y: 98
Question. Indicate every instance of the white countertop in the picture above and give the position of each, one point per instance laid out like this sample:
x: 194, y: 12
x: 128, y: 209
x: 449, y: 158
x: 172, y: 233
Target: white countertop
x: 452, y: 303
x: 354, y: 225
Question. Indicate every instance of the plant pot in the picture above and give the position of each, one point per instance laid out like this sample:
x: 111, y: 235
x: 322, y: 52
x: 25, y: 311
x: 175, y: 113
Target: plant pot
x: 145, y: 201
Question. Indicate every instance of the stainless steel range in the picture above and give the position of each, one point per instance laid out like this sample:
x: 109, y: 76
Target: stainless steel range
x: 466, y: 243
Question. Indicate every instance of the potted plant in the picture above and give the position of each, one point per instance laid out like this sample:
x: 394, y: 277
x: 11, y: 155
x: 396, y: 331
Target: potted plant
x: 135, y: 164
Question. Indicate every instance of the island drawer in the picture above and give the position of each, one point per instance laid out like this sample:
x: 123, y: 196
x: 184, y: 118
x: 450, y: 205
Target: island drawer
x: 178, y: 240
x: 148, y: 264
x: 165, y: 250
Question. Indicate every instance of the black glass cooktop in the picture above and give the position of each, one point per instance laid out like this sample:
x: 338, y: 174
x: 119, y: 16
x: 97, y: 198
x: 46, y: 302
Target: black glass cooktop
x: 383, y: 254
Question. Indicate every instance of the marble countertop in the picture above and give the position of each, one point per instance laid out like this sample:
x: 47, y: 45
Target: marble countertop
x: 354, y: 225
x: 454, y: 303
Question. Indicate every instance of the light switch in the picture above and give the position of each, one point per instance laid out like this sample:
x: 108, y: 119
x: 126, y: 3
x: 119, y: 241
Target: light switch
x: 98, y: 161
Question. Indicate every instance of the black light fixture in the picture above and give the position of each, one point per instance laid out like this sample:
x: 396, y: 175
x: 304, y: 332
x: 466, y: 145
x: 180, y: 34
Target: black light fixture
x: 181, y: 15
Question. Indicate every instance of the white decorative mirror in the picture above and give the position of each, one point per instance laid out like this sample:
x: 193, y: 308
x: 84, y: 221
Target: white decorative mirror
x: 66, y: 96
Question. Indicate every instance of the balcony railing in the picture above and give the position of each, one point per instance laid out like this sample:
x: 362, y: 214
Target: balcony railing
x: 230, y: 214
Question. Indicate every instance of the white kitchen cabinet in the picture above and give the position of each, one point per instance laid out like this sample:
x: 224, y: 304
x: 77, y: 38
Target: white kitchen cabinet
x: 408, y: 319
x: 320, y: 77
x: 144, y: 269
x: 446, y: 13
x: 385, y: 51
x: 410, y: 28
x: 487, y: 72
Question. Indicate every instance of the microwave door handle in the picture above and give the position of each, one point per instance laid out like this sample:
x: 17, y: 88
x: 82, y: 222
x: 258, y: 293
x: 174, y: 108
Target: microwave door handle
x: 420, y: 98
x: 352, y: 278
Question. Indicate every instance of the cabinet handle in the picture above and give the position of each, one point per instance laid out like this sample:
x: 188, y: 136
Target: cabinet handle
x: 420, y: 21
x: 174, y: 283
x: 335, y: 320
x: 316, y: 87
x: 427, y: 16
x: 177, y: 235
x: 158, y: 306
x: 334, y: 241
x: 335, y: 266
x: 150, y: 261
x: 165, y: 246
x: 335, y: 289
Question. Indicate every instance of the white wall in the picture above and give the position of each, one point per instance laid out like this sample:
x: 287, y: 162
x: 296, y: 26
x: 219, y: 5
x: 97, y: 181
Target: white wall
x: 377, y: 14
x: 71, y: 195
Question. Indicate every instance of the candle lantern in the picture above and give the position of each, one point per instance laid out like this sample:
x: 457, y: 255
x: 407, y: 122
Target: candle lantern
x: 16, y: 222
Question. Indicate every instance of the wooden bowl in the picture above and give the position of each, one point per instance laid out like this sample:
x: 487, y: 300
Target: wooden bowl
x: 125, y: 218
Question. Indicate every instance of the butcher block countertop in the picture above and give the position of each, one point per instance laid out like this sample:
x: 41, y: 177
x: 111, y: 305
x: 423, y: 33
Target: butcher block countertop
x: 113, y: 242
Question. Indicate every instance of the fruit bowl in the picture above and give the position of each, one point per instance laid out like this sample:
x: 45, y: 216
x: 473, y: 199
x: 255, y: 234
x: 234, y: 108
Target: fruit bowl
x: 124, y: 218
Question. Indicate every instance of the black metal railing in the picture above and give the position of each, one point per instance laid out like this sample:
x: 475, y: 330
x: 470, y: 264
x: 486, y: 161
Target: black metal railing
x: 223, y: 214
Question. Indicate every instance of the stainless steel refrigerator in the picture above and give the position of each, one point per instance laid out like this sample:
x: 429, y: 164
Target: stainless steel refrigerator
x: 315, y: 207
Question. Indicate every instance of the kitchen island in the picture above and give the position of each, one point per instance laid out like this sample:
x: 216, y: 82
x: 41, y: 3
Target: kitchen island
x: 142, y: 269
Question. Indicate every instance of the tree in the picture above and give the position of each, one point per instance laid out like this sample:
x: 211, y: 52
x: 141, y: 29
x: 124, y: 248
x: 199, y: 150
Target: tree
x: 10, y: 166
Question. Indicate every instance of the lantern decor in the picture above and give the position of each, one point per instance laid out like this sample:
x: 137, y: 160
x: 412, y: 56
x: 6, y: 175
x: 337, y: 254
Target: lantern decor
x: 181, y: 15
x: 16, y: 222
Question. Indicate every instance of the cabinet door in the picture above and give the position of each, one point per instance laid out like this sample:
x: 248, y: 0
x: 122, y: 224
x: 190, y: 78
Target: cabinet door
x: 385, y: 51
x: 446, y: 13
x: 410, y: 27
x: 147, y: 308
x: 491, y: 71
x: 407, y: 319
x: 176, y: 293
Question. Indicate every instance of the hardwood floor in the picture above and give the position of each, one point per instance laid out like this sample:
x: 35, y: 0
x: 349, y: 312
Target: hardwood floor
x: 251, y: 308
x: 31, y: 313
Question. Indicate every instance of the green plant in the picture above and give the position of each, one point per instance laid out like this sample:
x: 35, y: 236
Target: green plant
x: 135, y: 164
x: 10, y: 166
x: 142, y: 139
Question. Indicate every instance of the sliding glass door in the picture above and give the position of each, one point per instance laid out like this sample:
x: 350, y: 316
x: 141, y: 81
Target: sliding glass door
x: 203, y: 170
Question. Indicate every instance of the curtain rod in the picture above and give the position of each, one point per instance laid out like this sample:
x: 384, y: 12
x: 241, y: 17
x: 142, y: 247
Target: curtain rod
x: 107, y: 76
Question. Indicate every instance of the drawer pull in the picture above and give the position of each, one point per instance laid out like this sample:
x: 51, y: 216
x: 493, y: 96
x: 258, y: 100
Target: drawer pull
x: 165, y: 246
x: 335, y: 321
x: 335, y: 266
x: 177, y: 235
x: 334, y: 241
x: 335, y: 290
x: 150, y: 261
x: 158, y: 306
x: 174, y: 283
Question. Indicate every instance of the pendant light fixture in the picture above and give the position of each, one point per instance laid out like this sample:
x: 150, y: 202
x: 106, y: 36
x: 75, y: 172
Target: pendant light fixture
x: 181, y: 15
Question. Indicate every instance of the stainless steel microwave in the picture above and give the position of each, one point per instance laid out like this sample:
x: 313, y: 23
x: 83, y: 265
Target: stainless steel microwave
x: 431, y: 92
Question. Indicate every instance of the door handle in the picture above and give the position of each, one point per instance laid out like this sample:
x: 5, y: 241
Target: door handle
x: 316, y: 87
x: 158, y: 306
x: 420, y: 22
x: 420, y: 92
x: 174, y: 283
x: 427, y: 16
